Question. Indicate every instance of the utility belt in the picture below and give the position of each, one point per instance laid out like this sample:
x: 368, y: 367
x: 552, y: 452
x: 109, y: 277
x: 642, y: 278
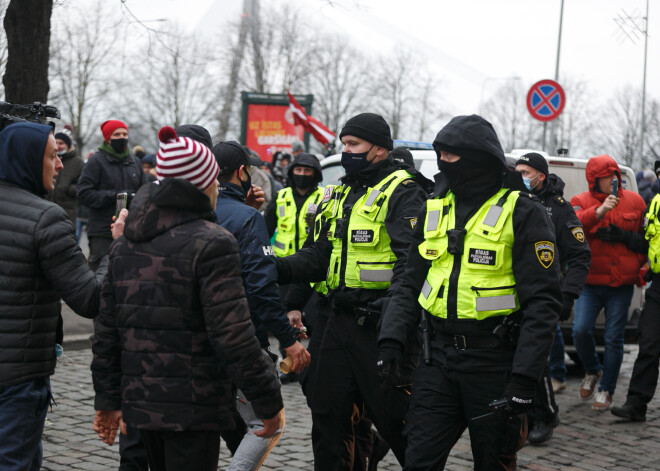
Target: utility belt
x: 363, y: 315
x: 463, y: 334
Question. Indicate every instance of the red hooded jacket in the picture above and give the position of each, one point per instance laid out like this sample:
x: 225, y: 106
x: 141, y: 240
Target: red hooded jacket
x: 612, y: 263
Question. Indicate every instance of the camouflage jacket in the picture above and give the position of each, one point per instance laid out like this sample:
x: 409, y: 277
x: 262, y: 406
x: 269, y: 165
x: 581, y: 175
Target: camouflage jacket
x: 174, y: 329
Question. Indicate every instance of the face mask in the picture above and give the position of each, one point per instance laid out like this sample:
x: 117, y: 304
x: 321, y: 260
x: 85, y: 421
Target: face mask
x: 303, y: 181
x: 456, y: 174
x: 354, y: 162
x: 118, y: 145
x: 247, y: 185
x: 528, y: 183
x: 61, y: 153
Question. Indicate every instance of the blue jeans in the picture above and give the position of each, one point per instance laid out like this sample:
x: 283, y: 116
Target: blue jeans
x: 23, y: 410
x: 616, y: 302
x: 556, y: 361
x: 79, y: 228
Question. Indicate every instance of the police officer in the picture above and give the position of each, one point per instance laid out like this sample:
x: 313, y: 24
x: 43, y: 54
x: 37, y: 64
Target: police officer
x: 482, y: 268
x: 644, y: 379
x: 295, y: 206
x: 362, y: 233
x: 574, y: 258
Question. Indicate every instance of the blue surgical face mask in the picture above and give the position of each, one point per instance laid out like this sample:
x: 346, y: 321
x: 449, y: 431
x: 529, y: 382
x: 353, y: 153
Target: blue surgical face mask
x: 354, y: 162
x: 528, y: 183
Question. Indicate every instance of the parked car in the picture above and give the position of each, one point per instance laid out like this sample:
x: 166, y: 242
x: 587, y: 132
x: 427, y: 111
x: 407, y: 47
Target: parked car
x: 572, y: 172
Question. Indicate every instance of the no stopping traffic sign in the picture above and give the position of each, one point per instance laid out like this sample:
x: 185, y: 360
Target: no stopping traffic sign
x: 545, y: 100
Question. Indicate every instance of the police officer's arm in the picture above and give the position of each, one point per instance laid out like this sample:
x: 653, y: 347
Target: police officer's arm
x: 403, y: 208
x: 260, y: 279
x: 309, y: 264
x: 574, y: 252
x: 537, y: 284
x: 403, y: 312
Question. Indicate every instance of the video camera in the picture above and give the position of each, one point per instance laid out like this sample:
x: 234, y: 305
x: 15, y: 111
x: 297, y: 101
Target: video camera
x: 36, y: 113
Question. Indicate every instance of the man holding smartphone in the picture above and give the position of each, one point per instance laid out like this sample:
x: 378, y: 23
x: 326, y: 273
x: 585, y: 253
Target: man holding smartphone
x: 111, y: 170
x: 612, y: 220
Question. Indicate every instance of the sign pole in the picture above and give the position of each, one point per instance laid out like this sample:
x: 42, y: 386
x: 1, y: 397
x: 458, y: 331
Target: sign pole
x: 553, y: 131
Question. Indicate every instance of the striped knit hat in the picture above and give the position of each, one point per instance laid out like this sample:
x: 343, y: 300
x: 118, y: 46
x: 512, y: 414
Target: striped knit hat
x: 180, y: 157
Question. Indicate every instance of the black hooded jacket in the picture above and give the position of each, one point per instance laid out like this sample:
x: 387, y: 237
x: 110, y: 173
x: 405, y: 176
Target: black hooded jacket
x: 537, y: 287
x: 574, y: 255
x: 40, y: 261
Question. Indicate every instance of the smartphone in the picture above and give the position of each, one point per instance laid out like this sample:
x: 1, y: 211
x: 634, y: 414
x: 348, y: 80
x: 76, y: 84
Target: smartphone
x: 615, y: 186
x: 122, y: 202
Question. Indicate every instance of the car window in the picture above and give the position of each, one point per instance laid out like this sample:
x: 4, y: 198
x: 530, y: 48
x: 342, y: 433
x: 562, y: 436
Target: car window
x: 332, y: 173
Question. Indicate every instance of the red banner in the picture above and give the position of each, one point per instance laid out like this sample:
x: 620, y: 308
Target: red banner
x: 271, y: 128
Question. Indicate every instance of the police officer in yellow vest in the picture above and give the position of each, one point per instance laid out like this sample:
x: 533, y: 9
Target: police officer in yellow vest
x: 295, y: 206
x: 363, y: 230
x: 482, y: 268
x: 644, y: 379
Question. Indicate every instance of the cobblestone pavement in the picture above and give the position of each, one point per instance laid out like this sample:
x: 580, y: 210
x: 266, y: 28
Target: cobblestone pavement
x: 584, y: 441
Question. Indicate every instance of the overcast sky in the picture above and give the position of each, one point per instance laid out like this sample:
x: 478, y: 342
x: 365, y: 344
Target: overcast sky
x: 476, y: 45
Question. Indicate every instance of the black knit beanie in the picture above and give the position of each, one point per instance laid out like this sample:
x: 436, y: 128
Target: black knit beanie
x: 371, y: 127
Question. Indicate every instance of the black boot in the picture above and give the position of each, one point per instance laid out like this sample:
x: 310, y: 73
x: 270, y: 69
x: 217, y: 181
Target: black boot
x: 630, y: 412
x: 542, y: 431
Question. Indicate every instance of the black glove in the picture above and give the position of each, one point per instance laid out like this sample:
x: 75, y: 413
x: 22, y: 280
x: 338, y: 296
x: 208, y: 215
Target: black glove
x: 613, y: 234
x: 519, y: 394
x: 566, y: 307
x: 389, y: 359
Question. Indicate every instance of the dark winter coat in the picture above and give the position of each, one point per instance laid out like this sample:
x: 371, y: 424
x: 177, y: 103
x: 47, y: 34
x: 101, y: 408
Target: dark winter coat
x: 174, y: 329
x: 40, y: 262
x: 258, y: 264
x: 66, y: 184
x: 102, y: 177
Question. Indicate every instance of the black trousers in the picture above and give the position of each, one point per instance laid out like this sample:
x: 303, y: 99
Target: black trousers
x: 545, y: 407
x: 132, y: 453
x: 182, y: 451
x: 442, y: 405
x: 645, y: 372
x: 99, y: 247
x: 346, y: 377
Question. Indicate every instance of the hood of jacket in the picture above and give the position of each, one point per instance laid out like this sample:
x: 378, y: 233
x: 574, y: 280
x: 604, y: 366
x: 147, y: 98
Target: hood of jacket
x: 306, y: 160
x: 22, y: 147
x: 599, y: 167
x: 464, y: 135
x: 553, y: 186
x: 157, y: 208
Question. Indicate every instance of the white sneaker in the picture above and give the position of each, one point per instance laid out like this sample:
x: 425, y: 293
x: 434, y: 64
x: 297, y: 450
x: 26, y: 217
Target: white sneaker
x: 588, y: 385
x: 602, y: 401
x: 557, y: 385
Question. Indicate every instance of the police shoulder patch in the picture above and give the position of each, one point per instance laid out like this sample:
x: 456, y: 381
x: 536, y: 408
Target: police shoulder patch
x: 412, y: 221
x: 578, y: 233
x: 408, y: 182
x: 545, y: 252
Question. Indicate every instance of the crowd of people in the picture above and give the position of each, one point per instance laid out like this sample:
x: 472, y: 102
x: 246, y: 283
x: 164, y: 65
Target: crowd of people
x: 428, y: 307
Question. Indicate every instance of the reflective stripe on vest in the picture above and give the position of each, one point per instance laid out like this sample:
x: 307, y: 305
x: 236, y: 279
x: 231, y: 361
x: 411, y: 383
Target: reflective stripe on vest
x: 652, y: 234
x: 485, y: 286
x: 369, y: 259
x: 292, y: 228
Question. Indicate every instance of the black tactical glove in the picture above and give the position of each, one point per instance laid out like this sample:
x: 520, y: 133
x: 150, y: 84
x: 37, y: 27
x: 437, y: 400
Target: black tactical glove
x: 389, y: 359
x: 566, y: 307
x: 613, y: 234
x: 519, y: 394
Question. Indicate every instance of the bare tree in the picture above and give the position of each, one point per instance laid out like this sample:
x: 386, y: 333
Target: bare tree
x: 618, y: 131
x: 81, y: 51
x: 507, y: 112
x: 27, y: 24
x: 177, y: 80
x: 576, y: 123
x: 339, y: 91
